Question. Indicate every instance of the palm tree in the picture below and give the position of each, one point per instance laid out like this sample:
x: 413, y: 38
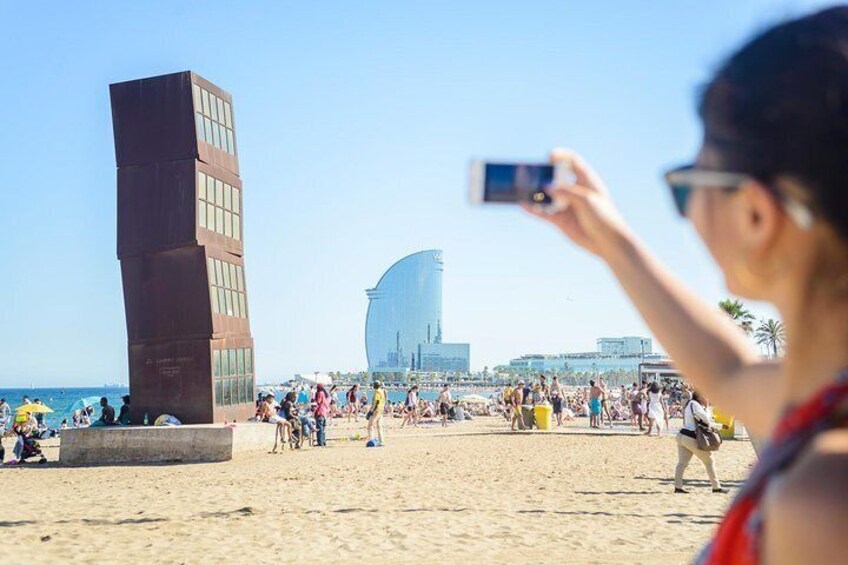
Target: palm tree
x: 741, y: 315
x: 771, y: 335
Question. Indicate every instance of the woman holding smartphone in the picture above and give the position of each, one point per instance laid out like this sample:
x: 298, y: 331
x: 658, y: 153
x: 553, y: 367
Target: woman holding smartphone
x: 768, y: 195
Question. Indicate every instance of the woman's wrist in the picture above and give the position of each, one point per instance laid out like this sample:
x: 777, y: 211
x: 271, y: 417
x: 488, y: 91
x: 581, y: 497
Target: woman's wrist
x: 622, y: 251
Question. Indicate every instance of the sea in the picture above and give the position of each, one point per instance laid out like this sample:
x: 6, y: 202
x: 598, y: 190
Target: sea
x: 61, y: 399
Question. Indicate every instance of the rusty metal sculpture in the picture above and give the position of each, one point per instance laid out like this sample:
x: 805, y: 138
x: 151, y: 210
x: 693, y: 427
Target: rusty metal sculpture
x: 180, y: 223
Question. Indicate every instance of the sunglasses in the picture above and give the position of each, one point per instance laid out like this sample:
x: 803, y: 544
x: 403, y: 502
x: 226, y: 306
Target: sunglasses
x: 682, y: 181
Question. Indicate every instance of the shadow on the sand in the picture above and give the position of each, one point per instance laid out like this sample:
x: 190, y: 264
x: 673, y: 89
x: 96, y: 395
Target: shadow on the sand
x: 617, y: 492
x: 677, y: 517
x: 16, y: 523
x: 692, y: 482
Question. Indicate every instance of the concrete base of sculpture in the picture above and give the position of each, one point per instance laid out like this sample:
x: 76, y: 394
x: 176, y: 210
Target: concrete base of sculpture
x: 121, y: 445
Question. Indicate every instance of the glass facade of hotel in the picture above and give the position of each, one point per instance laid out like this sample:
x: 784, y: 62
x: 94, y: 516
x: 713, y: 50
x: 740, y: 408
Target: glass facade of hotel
x: 404, y: 311
x: 444, y: 357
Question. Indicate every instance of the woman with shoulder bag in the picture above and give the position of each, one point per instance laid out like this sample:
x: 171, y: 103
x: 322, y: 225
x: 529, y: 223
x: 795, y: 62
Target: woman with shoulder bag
x: 695, y: 414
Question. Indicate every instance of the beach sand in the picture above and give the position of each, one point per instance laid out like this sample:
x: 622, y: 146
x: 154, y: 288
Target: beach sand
x: 470, y: 493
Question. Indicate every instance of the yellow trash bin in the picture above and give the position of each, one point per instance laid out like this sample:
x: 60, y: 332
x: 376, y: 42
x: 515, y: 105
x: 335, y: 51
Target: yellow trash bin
x: 542, y: 413
x: 726, y: 419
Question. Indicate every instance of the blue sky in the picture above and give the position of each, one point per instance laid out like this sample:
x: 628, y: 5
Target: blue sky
x: 356, y: 122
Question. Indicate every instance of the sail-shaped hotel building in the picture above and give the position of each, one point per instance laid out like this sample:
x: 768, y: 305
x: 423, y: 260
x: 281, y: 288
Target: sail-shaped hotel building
x: 403, y: 327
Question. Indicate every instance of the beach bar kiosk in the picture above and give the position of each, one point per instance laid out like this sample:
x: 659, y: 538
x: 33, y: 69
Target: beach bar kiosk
x: 180, y: 226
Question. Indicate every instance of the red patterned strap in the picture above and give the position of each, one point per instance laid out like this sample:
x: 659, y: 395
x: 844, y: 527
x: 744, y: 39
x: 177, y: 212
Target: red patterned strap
x: 737, y: 539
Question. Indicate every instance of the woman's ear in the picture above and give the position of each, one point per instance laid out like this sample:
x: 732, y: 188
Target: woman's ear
x: 758, y: 218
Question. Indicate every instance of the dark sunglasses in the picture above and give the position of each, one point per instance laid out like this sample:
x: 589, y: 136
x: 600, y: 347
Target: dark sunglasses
x: 682, y: 181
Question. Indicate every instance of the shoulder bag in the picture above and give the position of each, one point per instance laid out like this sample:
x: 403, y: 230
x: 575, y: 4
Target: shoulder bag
x: 706, y: 437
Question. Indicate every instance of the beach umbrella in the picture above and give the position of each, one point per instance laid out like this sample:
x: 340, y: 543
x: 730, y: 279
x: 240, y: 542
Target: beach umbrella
x: 84, y: 403
x: 34, y: 409
x: 473, y: 399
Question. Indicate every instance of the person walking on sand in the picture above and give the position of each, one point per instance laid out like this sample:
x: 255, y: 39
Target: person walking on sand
x: 352, y: 406
x: 410, y: 407
x: 5, y: 416
x: 444, y: 402
x: 594, y: 405
x: 656, y: 409
x: 695, y: 413
x: 636, y: 405
x: 375, y: 415
x: 335, y: 404
x: 605, y: 400
x: 632, y: 402
x: 507, y: 400
x: 556, y: 400
x: 321, y: 411
x: 517, y: 400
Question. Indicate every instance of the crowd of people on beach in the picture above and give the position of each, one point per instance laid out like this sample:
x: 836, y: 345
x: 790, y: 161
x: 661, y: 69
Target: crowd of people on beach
x: 27, y: 428
x: 28, y: 425
x: 305, y: 412
x: 646, y: 404
x: 84, y: 417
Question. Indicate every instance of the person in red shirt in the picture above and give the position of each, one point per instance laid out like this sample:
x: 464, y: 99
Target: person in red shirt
x: 322, y: 411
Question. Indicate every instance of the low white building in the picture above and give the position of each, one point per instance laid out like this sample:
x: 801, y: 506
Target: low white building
x: 628, y: 345
x: 313, y: 379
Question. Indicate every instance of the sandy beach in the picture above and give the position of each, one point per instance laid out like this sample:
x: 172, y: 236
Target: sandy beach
x: 471, y: 493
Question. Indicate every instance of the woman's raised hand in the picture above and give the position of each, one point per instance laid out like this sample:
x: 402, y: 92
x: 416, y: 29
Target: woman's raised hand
x: 584, y: 211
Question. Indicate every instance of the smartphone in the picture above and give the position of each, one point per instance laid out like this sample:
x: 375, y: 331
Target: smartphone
x: 511, y: 183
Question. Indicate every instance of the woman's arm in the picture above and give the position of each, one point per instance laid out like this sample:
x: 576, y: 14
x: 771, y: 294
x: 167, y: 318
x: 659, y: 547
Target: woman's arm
x: 700, y: 414
x: 705, y: 344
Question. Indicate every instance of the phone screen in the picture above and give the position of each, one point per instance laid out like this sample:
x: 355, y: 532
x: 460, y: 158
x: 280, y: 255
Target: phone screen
x: 513, y: 182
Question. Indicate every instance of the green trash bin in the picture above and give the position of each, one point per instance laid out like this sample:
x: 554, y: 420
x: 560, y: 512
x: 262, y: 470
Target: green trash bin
x: 528, y: 417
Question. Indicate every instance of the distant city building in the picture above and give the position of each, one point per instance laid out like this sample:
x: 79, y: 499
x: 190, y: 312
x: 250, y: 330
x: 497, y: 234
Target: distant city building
x: 444, y: 357
x: 624, y: 345
x: 405, y: 313
x: 582, y: 362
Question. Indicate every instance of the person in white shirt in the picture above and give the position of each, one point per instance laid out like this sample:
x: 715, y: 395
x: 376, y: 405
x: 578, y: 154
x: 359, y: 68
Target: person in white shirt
x: 5, y: 416
x: 656, y: 409
x: 695, y: 412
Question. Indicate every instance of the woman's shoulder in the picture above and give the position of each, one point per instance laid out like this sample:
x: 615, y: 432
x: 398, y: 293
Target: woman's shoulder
x: 807, y: 509
x: 822, y: 466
